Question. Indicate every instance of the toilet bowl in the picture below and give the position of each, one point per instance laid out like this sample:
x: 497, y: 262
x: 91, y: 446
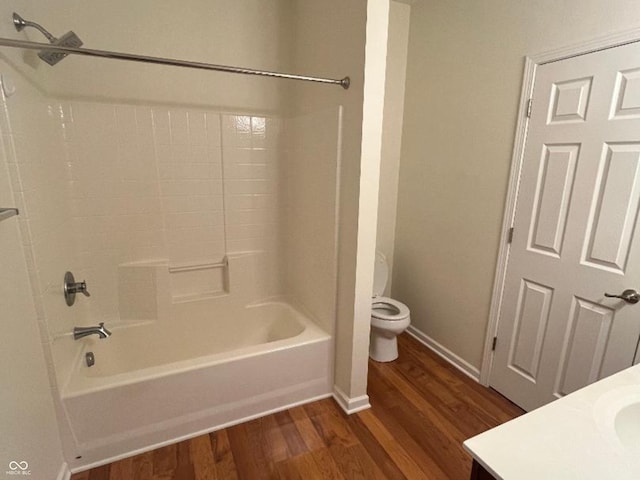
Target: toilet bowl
x: 389, y: 317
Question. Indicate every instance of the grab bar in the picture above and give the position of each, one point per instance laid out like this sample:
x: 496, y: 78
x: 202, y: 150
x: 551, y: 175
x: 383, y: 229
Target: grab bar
x: 199, y: 266
x: 8, y: 213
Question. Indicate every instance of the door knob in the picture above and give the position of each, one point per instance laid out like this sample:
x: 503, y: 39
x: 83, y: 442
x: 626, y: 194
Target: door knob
x: 630, y: 296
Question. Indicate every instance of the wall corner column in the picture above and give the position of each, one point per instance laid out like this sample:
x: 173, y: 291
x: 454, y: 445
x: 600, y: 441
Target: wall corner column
x: 352, y: 350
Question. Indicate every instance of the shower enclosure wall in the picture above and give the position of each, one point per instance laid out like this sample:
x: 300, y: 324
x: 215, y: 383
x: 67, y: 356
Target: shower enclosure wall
x: 181, y: 198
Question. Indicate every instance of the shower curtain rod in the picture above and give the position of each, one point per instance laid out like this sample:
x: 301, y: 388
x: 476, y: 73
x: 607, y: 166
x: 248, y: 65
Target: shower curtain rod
x: 8, y: 42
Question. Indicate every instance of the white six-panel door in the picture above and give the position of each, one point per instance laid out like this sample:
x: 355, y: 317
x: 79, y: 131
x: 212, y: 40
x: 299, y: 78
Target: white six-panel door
x: 575, y: 232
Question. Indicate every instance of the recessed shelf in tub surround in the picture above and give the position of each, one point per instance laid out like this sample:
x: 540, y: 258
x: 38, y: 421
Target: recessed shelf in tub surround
x: 146, y: 287
x: 147, y: 290
x: 189, y: 267
x: 198, y: 280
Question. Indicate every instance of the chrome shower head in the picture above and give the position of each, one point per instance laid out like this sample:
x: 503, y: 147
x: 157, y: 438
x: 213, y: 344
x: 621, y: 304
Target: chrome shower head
x: 69, y: 39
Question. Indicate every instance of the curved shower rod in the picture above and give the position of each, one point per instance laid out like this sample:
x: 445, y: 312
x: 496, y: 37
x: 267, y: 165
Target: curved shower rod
x: 8, y: 42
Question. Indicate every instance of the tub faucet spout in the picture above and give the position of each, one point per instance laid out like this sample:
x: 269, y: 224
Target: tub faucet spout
x: 100, y: 330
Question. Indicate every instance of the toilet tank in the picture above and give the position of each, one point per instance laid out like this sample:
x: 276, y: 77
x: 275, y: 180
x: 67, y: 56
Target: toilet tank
x: 380, y: 275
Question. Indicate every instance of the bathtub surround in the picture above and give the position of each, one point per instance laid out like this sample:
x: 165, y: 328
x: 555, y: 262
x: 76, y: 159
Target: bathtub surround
x: 140, y: 185
x: 39, y: 175
x: 117, y: 166
x: 181, y: 186
x: 172, y: 212
x: 313, y: 168
x: 27, y: 416
x: 37, y: 172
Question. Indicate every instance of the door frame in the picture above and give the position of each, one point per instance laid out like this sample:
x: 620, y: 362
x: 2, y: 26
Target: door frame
x: 531, y: 64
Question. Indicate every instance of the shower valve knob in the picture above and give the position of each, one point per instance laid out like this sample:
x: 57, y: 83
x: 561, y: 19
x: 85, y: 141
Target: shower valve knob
x: 81, y: 287
x: 71, y: 287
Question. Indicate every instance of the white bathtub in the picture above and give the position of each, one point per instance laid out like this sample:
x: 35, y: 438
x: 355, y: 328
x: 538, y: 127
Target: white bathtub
x: 159, y: 382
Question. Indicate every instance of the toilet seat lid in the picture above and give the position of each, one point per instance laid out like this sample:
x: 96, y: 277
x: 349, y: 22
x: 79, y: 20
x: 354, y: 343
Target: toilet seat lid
x: 401, y: 311
x: 380, y: 274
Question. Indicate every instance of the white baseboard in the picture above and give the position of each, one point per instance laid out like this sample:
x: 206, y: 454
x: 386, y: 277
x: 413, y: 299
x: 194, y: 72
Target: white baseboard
x: 65, y: 473
x: 348, y: 404
x: 461, y: 364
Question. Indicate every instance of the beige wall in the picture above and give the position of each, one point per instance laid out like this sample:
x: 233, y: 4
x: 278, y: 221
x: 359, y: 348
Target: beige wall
x: 392, y: 130
x: 251, y: 33
x: 27, y: 418
x: 463, y: 85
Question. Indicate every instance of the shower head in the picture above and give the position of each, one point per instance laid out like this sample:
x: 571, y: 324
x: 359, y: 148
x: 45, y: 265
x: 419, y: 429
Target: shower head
x: 69, y: 39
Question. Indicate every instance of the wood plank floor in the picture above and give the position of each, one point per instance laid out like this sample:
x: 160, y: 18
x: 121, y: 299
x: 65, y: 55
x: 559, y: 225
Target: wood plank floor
x: 422, y: 410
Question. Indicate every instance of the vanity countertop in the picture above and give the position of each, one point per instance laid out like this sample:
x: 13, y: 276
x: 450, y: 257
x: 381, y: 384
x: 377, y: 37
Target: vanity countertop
x: 593, y: 433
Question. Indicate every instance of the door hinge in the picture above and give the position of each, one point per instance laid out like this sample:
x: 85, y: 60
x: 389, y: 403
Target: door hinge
x: 510, y: 235
x: 493, y: 345
x: 529, y: 103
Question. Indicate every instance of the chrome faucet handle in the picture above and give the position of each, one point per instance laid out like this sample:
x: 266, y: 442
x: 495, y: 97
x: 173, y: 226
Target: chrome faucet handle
x: 71, y: 287
x: 81, y: 287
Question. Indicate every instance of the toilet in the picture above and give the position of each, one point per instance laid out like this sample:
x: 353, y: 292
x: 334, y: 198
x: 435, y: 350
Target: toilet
x: 389, y: 317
